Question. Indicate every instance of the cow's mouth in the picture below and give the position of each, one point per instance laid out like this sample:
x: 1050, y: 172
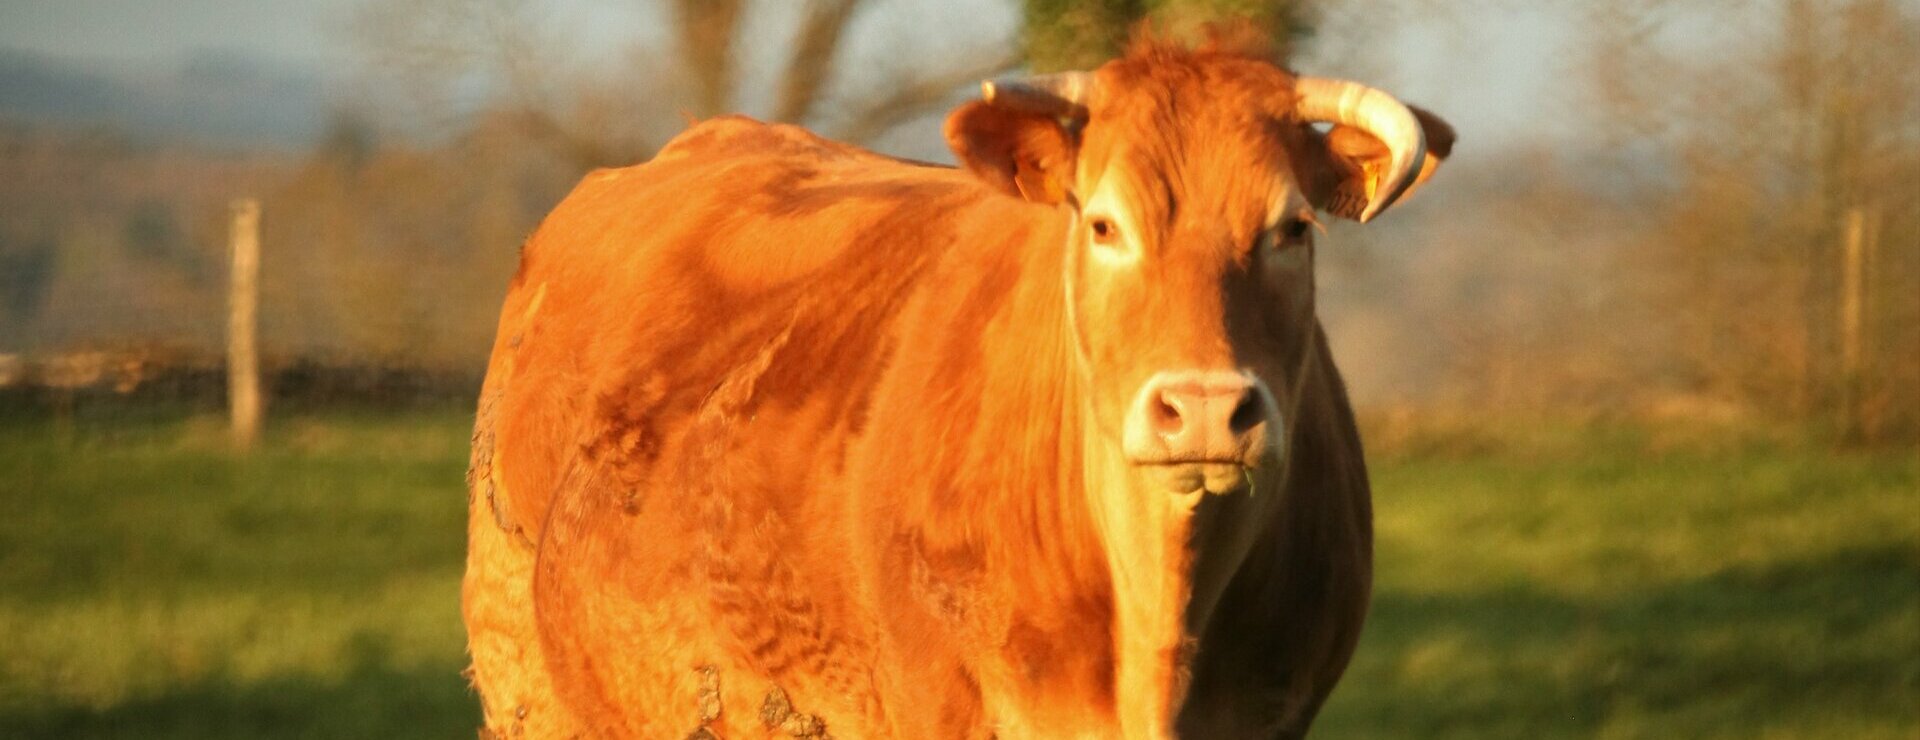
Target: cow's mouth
x: 1190, y: 478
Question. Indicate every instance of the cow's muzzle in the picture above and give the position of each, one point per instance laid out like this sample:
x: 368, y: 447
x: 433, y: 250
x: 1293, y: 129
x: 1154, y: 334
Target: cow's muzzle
x: 1199, y: 429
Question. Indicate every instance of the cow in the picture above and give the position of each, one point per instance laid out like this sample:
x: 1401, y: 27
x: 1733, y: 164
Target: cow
x: 782, y: 437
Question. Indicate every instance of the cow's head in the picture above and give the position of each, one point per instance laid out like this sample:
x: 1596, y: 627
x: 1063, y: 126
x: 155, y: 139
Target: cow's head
x: 1194, y: 177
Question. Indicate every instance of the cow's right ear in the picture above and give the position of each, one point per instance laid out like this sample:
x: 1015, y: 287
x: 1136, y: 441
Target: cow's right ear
x: 1022, y: 153
x: 1351, y: 163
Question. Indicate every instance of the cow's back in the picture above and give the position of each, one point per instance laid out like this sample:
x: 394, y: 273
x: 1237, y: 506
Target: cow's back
x: 652, y: 279
x: 683, y: 356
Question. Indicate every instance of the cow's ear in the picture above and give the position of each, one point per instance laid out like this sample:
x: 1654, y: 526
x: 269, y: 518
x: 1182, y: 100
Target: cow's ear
x: 1351, y: 162
x: 1025, y: 154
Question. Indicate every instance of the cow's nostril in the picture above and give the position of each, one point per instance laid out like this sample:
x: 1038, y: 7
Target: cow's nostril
x: 1164, y: 415
x: 1249, y: 413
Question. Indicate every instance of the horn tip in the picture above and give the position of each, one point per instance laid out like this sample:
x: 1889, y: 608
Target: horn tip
x: 988, y: 90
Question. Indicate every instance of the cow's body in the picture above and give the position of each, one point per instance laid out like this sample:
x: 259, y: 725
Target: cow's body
x: 780, y: 432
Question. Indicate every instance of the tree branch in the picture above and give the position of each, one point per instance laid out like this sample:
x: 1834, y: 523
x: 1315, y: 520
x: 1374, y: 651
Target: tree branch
x: 813, y: 53
x: 916, y: 97
x: 707, y: 29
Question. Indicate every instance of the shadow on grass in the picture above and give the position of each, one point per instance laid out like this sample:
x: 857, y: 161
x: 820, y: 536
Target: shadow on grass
x: 369, y: 701
x: 1806, y: 647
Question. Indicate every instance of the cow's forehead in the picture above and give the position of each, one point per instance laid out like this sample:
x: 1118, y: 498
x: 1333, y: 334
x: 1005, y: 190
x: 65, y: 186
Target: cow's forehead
x: 1150, y: 197
x: 1212, y: 136
x: 1244, y: 177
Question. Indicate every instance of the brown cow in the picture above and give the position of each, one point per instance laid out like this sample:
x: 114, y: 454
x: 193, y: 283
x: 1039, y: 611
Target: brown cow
x: 783, y: 437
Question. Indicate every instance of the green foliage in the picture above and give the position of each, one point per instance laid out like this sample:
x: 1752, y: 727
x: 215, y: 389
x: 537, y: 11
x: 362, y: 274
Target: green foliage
x: 26, y: 269
x: 1080, y: 34
x: 153, y: 234
x: 154, y: 585
x: 1076, y: 34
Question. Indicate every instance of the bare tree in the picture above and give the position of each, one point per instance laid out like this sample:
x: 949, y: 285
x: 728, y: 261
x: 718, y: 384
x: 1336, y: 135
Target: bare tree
x: 504, y: 53
x: 707, y: 30
x: 1776, y: 157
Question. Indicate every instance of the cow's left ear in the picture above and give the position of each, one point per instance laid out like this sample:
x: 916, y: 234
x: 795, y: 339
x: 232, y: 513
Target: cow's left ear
x: 1352, y: 161
x: 1022, y: 153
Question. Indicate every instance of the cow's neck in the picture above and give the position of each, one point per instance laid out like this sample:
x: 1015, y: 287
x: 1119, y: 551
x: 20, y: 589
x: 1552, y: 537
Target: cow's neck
x: 1141, y: 537
x: 1144, y: 537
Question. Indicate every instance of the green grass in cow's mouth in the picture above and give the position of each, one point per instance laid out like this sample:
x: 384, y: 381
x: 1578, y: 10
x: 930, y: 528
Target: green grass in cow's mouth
x: 154, y: 586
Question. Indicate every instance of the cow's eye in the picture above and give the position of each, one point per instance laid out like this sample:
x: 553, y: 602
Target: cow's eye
x: 1295, y: 231
x: 1104, y: 232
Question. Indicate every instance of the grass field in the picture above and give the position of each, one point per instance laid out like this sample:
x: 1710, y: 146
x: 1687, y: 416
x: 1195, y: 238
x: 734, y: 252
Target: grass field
x: 154, y: 586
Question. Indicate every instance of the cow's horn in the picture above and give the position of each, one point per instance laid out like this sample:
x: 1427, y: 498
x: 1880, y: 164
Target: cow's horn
x: 1375, y: 112
x: 1057, y: 94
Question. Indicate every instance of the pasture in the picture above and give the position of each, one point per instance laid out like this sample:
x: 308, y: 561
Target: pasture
x: 1602, y: 583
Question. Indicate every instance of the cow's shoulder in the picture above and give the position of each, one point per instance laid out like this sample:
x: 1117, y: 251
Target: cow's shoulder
x: 789, y: 171
x: 739, y: 136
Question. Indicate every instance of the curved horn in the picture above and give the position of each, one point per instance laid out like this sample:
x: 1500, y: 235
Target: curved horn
x: 1058, y: 94
x: 1322, y: 100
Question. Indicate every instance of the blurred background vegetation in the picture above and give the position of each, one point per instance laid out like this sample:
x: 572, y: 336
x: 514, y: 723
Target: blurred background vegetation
x: 1640, y: 375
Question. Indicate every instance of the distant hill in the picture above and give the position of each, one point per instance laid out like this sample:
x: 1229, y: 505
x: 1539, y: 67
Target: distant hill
x: 223, y: 99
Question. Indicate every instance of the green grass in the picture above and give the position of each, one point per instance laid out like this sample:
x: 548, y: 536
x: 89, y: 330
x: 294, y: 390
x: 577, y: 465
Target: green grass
x: 1609, y: 592
x: 153, y: 585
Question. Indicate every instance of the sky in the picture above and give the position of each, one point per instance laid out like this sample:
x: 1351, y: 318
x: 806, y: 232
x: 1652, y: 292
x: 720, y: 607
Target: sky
x: 298, y: 31
x: 306, y: 32
x: 1485, y: 65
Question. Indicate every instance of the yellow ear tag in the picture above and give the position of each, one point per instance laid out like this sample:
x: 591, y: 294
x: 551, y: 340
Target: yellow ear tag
x: 1034, y: 184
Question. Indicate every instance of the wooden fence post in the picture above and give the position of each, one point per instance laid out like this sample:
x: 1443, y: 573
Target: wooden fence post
x: 243, y: 361
x: 1852, y: 314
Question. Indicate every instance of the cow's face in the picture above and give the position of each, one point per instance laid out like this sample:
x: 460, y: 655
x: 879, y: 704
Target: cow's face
x: 1189, y: 270
x: 1194, y: 179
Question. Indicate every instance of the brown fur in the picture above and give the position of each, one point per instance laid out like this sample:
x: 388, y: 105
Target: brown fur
x: 772, y: 415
